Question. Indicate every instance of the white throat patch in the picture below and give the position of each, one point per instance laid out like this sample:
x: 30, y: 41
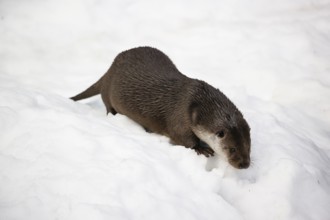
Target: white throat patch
x: 211, y: 139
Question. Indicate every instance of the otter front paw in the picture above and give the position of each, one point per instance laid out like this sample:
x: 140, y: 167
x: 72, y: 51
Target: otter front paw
x: 206, y: 151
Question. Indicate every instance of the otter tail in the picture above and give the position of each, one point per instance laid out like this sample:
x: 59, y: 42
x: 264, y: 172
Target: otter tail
x: 94, y: 89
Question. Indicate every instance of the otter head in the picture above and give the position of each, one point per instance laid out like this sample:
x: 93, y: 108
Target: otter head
x: 227, y: 133
x: 235, y: 143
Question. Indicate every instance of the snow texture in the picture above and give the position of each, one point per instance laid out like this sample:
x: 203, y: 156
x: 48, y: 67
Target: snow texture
x: 65, y: 160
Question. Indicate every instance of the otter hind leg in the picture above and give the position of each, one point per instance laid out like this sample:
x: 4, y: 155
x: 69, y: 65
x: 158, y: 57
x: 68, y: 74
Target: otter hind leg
x: 107, y: 104
x: 147, y: 129
x: 112, y: 110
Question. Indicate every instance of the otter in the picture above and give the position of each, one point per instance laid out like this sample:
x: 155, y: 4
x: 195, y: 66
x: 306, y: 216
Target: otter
x: 145, y: 85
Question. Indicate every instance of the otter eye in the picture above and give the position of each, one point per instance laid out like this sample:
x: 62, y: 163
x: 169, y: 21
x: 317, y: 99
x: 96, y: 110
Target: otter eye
x: 220, y: 134
x: 232, y: 150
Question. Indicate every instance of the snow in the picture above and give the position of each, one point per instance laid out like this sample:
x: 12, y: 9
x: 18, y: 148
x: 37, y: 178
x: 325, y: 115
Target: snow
x: 65, y: 160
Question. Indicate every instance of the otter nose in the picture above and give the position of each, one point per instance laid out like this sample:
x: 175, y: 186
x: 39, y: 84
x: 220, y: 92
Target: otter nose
x: 244, y: 164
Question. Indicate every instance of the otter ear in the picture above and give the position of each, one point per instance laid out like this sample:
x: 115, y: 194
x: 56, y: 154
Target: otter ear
x: 194, y: 112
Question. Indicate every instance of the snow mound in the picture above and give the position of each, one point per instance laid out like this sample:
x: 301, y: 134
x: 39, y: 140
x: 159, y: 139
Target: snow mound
x: 71, y: 161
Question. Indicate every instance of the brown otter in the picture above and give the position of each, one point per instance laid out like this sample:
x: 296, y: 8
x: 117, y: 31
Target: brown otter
x: 143, y: 84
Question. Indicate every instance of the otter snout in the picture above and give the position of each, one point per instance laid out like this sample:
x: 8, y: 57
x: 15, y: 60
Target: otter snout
x: 244, y: 164
x: 240, y: 163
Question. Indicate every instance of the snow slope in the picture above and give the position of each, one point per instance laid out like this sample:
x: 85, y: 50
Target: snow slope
x: 65, y: 160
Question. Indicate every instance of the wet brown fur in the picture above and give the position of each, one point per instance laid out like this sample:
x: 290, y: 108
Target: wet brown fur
x: 143, y: 84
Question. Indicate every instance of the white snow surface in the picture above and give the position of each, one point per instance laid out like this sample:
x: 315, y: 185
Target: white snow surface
x: 61, y: 159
